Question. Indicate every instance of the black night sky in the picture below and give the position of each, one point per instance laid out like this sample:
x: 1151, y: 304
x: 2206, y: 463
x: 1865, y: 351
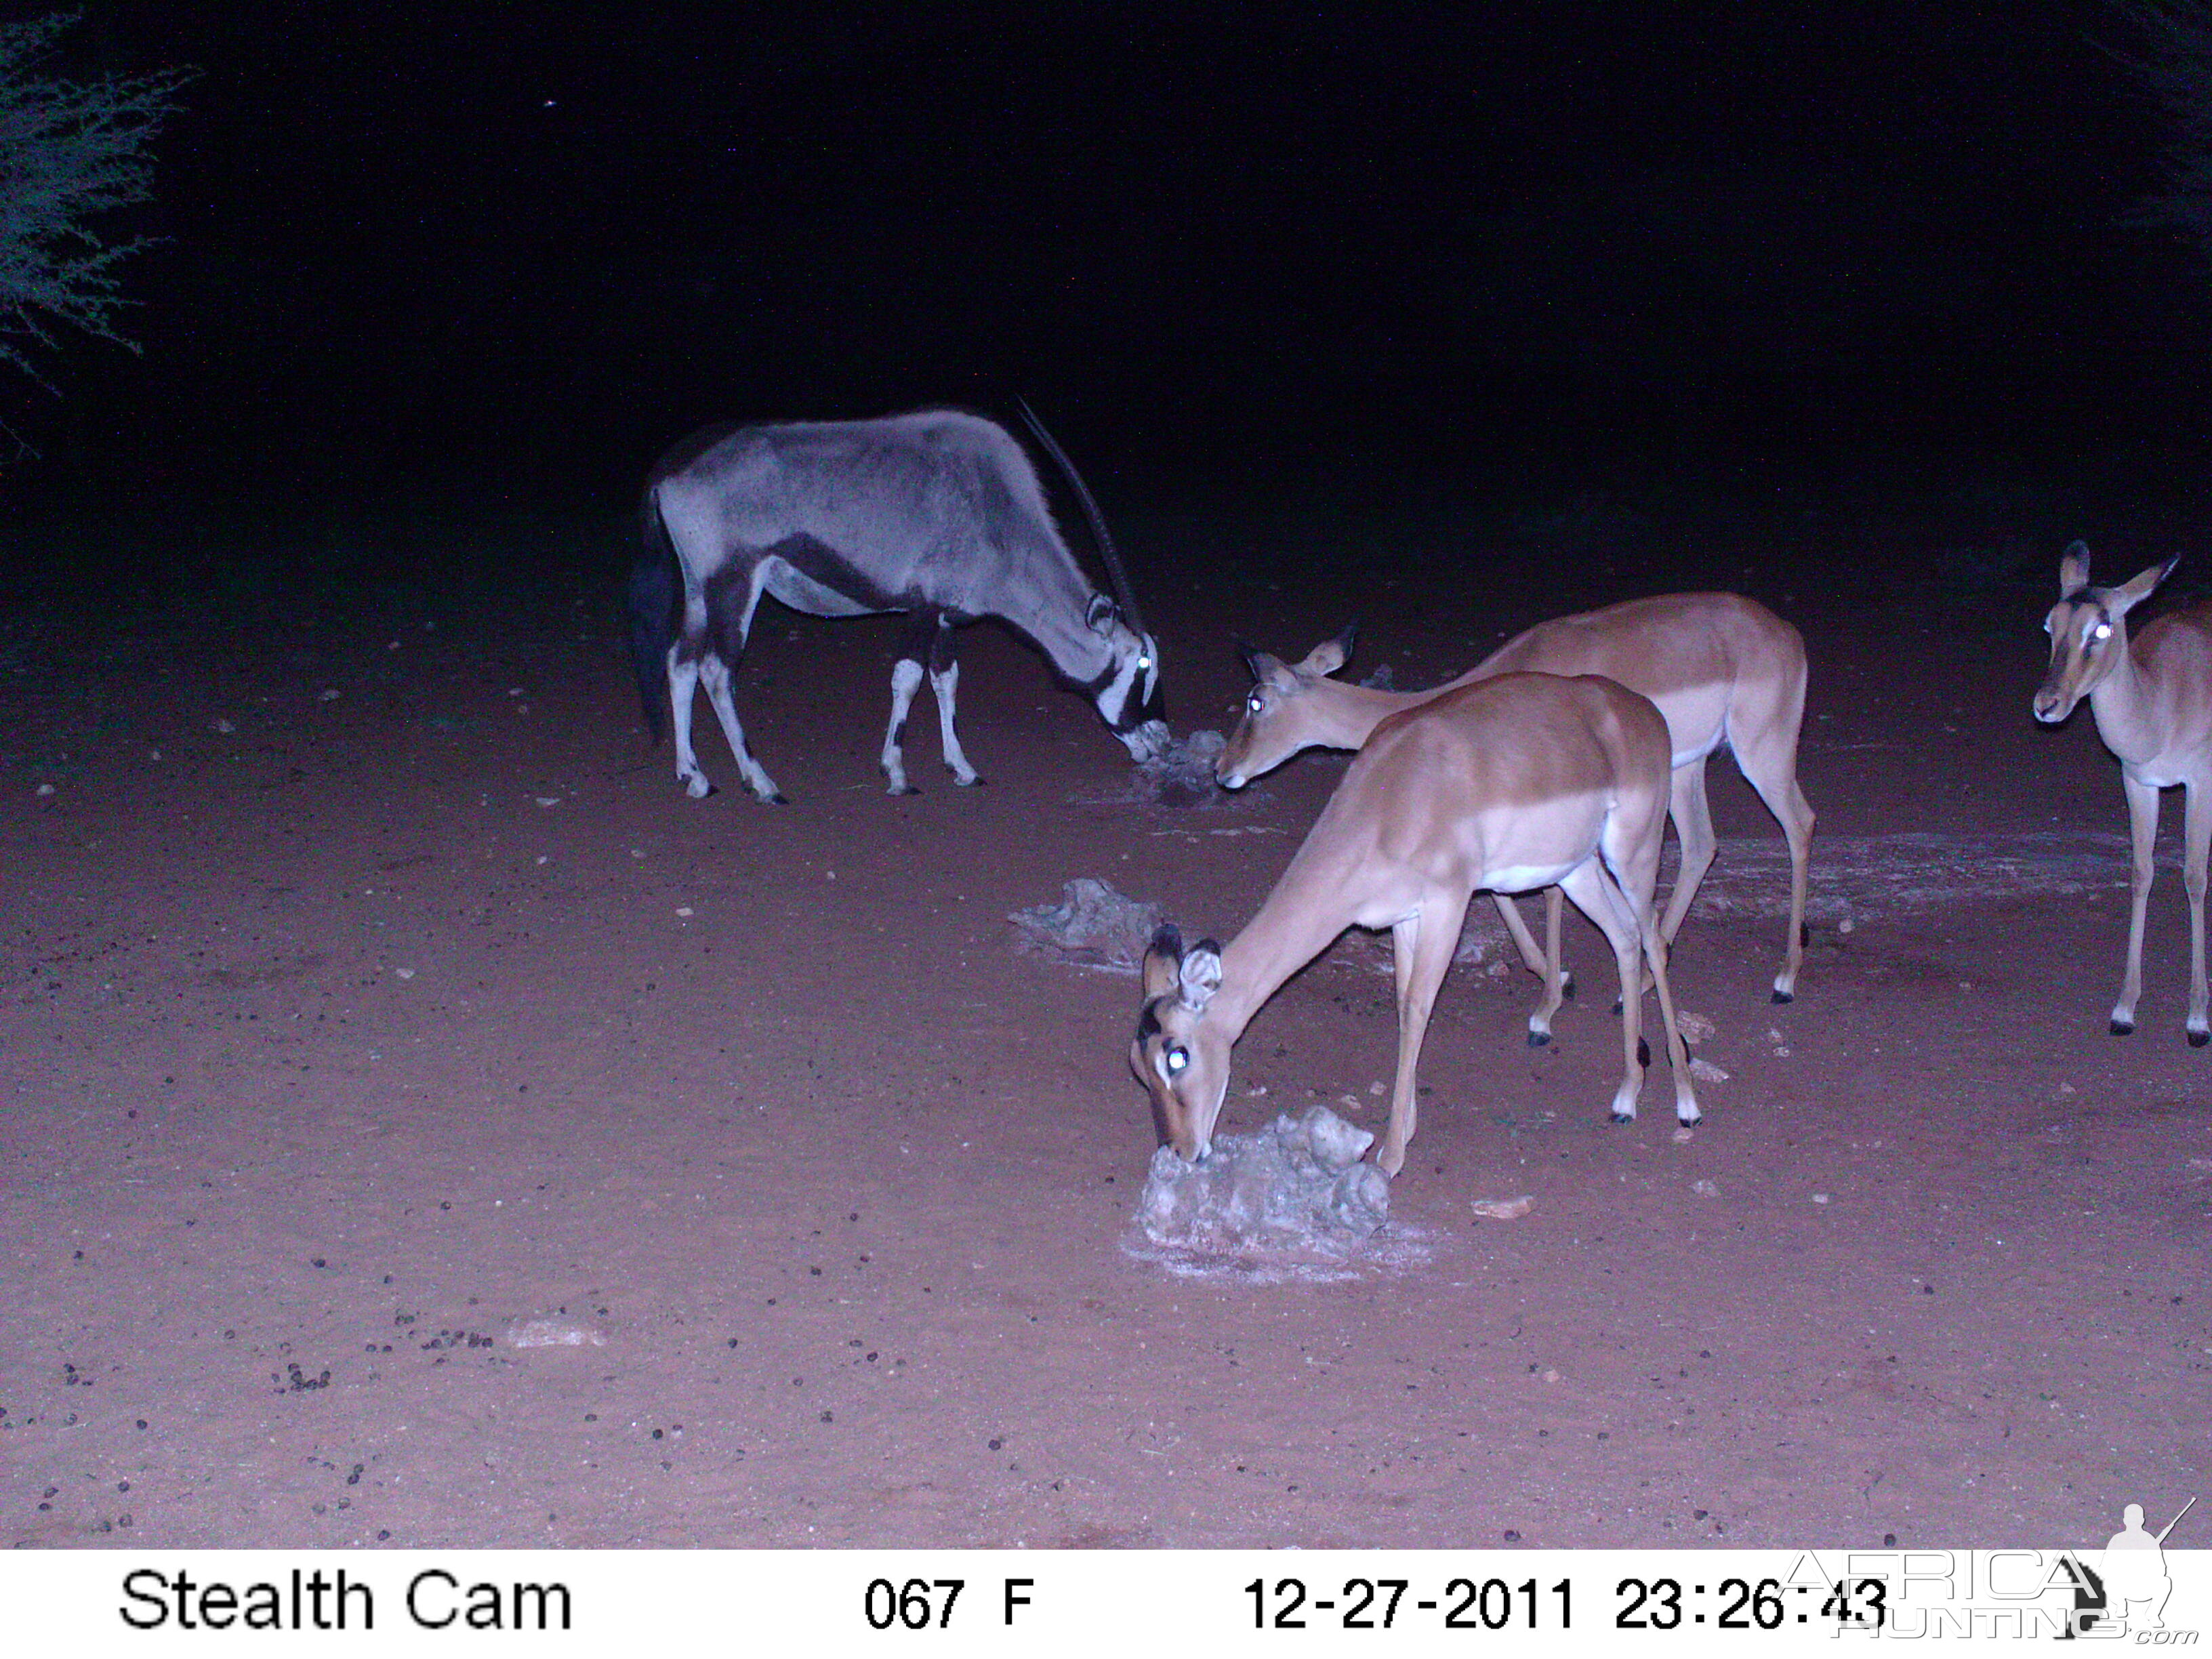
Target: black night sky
x: 518, y: 250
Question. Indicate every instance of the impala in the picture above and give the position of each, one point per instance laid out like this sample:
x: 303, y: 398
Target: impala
x: 2153, y: 702
x: 1723, y: 670
x: 1522, y: 781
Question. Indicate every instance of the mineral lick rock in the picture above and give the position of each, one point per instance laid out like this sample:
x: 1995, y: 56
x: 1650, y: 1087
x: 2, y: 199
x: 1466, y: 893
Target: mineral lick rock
x: 1181, y: 774
x: 1298, y: 1182
x: 1092, y: 925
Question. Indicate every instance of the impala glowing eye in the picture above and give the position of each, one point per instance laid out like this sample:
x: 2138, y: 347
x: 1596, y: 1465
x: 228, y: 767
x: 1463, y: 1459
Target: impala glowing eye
x: 2103, y: 631
x: 1144, y: 662
x: 1255, y: 703
x: 1177, y: 1059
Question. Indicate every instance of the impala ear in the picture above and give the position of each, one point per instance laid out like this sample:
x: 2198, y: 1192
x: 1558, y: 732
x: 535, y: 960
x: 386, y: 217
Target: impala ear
x: 1200, y: 976
x: 2145, y: 583
x: 1163, y: 961
x: 1265, y: 669
x: 2073, y: 570
x: 1324, y: 658
x: 1103, y: 614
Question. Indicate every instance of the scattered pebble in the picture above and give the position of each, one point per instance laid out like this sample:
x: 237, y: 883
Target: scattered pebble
x: 547, y: 800
x: 1705, y: 1072
x: 222, y: 726
x: 330, y: 693
x: 1502, y: 1209
x: 1684, y: 1134
x: 1819, y: 1198
x: 1705, y: 1190
x: 1694, y: 1028
x: 45, y: 789
x: 404, y: 972
x: 683, y: 910
x: 554, y: 1333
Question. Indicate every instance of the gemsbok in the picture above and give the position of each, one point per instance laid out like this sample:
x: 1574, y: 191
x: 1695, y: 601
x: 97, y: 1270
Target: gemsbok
x: 938, y: 514
x: 1522, y: 781
x: 1722, y: 669
x: 2153, y: 703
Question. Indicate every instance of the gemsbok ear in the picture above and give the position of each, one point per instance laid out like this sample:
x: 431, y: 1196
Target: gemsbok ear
x: 2074, y: 569
x: 1200, y: 976
x: 1103, y: 614
x: 2144, y: 584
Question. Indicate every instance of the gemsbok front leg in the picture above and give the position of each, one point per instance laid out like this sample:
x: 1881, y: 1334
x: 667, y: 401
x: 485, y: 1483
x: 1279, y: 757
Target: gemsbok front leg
x: 944, y: 685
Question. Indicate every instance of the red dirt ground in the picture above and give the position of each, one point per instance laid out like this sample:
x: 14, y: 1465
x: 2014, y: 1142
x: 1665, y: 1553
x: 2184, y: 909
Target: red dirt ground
x: 345, y: 1035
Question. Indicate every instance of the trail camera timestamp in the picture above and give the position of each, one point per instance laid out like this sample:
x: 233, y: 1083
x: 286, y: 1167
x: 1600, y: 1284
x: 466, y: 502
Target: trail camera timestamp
x: 1390, y: 1603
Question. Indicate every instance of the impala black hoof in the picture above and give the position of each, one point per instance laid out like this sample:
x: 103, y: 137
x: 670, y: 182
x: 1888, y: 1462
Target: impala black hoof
x: 1616, y: 1007
x: 1624, y: 1117
x: 779, y: 798
x: 2199, y: 1039
x: 1542, y: 1039
x: 2122, y: 1028
x: 1784, y: 996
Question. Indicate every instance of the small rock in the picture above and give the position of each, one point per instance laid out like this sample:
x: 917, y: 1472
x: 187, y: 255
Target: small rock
x: 1503, y: 1209
x: 1705, y: 1072
x: 1705, y: 1190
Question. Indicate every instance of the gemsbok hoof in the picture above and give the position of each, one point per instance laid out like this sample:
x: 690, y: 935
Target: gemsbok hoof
x: 2122, y: 1028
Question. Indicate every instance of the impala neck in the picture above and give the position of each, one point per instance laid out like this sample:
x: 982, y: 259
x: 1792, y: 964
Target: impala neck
x: 1298, y: 920
x: 1348, y: 715
x: 2123, y: 703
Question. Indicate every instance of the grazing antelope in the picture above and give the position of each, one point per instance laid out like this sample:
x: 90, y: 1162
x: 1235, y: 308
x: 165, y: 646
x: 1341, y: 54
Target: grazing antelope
x: 1722, y: 669
x: 1522, y: 781
x: 2153, y: 702
x: 938, y: 514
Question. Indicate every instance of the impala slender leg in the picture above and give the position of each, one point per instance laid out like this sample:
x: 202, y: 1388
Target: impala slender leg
x: 1558, y: 983
x: 1599, y: 898
x: 906, y: 677
x: 2199, y: 823
x: 1693, y: 831
x: 1509, y: 912
x: 1678, y: 1052
x: 1770, y: 762
x: 1420, y: 955
x: 2142, y: 828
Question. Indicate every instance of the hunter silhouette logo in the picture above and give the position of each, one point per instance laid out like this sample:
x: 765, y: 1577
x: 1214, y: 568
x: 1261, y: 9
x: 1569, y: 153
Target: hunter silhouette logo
x: 2135, y: 1583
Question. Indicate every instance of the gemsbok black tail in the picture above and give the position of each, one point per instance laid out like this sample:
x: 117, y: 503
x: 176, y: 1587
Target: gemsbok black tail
x: 655, y: 591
